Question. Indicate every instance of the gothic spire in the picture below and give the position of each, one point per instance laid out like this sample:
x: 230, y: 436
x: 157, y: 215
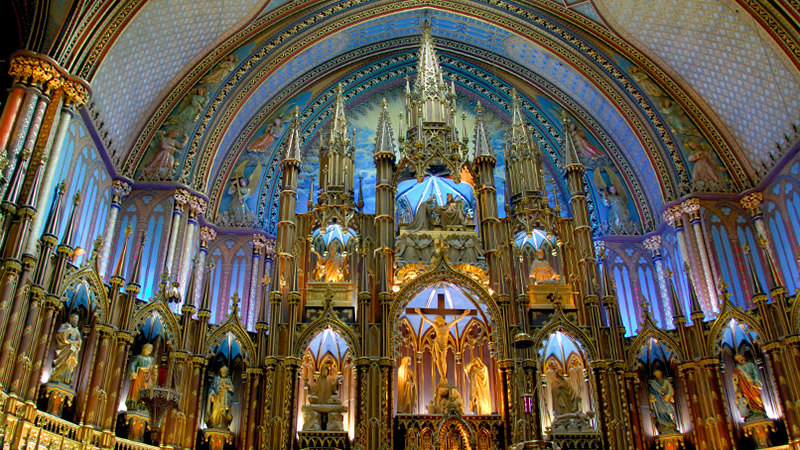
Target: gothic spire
x: 50, y: 227
x: 697, y: 311
x: 384, y: 136
x: 137, y: 264
x: 429, y: 73
x: 188, y: 299
x: 678, y: 317
x: 73, y: 219
x: 521, y: 144
x: 293, y: 143
x: 207, y: 293
x: 483, y: 146
x: 338, y: 130
x: 123, y: 254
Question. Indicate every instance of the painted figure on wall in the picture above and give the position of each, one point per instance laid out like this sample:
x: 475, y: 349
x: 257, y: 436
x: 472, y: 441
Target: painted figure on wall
x: 480, y: 401
x: 142, y: 374
x: 406, y: 387
x: 704, y: 171
x: 220, y: 399
x: 748, y: 385
x: 613, y: 194
x: 163, y: 164
x: 662, y: 403
x: 222, y: 70
x: 270, y: 136
x: 68, y: 347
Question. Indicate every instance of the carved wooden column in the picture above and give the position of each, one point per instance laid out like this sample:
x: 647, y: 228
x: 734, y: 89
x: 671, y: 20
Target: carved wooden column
x: 692, y: 208
x: 710, y: 421
x: 181, y: 198
x: 653, y: 245
x: 632, y: 383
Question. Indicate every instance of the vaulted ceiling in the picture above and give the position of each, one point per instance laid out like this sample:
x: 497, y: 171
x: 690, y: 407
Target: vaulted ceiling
x: 650, y: 83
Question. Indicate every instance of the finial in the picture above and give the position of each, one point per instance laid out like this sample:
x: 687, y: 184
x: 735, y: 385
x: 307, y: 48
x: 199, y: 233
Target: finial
x: 234, y: 304
x: 646, y: 313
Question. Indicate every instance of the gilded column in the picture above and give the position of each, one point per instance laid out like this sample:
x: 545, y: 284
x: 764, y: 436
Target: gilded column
x: 197, y: 207
x: 119, y: 190
x: 653, y: 245
x: 181, y: 197
x: 692, y: 208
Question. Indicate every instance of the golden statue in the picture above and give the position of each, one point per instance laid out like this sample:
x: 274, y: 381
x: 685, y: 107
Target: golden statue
x: 541, y: 272
x: 440, y: 342
x: 220, y: 398
x: 68, y: 346
x: 406, y: 387
x: 480, y: 401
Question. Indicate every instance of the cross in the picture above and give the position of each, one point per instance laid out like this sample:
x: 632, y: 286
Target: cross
x: 441, y: 310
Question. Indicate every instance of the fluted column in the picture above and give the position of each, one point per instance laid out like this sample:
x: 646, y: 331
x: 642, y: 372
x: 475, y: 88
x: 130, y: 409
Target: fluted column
x: 692, y: 208
x: 181, y: 198
x: 197, y: 207
x: 653, y: 245
x: 23, y: 123
x: 119, y: 190
x: 259, y: 245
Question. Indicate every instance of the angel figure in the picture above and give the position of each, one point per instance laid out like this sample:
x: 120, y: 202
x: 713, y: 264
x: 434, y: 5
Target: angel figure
x: 163, y: 163
x: 645, y: 82
x: 704, y: 168
x: 194, y: 103
x: 222, y: 70
x: 271, y: 134
x: 615, y: 198
x: 241, y: 189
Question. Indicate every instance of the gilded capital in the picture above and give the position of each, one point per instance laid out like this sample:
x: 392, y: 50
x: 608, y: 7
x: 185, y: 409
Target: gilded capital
x: 198, y: 204
x: 692, y: 208
x: 673, y: 216
x: 182, y: 197
x: 121, y: 189
x: 752, y: 202
x: 207, y: 234
x: 653, y: 243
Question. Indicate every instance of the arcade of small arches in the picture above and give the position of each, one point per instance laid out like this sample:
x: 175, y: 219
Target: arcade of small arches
x: 386, y: 224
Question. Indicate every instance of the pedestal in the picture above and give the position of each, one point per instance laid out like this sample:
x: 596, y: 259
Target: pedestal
x: 759, y: 429
x: 323, y: 417
x: 58, y: 394
x: 447, y: 399
x: 324, y: 440
x: 217, y: 438
x: 670, y: 441
x: 137, y: 422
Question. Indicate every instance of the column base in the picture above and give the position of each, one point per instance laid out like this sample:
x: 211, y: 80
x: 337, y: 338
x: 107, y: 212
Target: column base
x: 759, y: 429
x: 217, y: 438
x: 58, y: 394
x: 137, y: 422
x: 669, y: 441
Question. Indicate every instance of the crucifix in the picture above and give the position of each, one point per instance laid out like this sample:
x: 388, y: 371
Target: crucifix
x: 442, y: 329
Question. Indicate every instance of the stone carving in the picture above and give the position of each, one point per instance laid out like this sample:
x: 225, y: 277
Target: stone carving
x: 193, y: 105
x: 423, y: 219
x: 567, y: 413
x: 220, y: 399
x: 480, y: 401
x: 217, y: 74
x: 163, y: 164
x: 451, y: 215
x: 441, y: 342
x: 541, y: 271
x: 324, y: 401
x: 406, y: 387
x: 68, y: 347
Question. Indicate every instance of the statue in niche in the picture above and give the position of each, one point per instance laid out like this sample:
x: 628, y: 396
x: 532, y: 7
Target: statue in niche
x: 68, y: 347
x: 162, y: 166
x: 748, y: 389
x: 271, y: 134
x: 222, y: 70
x: 406, y: 250
x: 566, y: 399
x: 451, y: 215
x: 194, y: 103
x: 220, y: 399
x: 325, y: 389
x: 332, y: 266
x: 704, y: 171
x: 406, y: 387
x: 662, y: 403
x: 423, y: 218
x: 143, y: 374
x: 541, y: 272
x: 241, y: 189
x: 480, y: 401
x: 441, y: 329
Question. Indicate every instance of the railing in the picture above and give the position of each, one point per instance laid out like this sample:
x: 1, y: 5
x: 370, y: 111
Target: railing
x: 125, y: 444
x: 56, y: 425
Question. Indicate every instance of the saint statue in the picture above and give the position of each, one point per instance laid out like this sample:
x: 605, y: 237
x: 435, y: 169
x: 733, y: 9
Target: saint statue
x: 662, y: 403
x: 452, y: 213
x: 220, y: 398
x: 541, y: 272
x: 406, y: 387
x: 704, y: 174
x: 480, y: 401
x: 405, y: 248
x: 68, y: 346
x: 326, y: 387
x: 143, y: 374
x: 440, y: 342
x: 566, y: 399
x: 423, y: 219
x: 335, y: 270
x: 748, y: 388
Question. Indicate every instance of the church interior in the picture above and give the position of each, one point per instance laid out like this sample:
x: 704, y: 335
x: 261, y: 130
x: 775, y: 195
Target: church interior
x: 400, y: 224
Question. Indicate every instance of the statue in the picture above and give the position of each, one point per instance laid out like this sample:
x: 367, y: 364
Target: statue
x: 645, y: 82
x: 162, y: 165
x: 678, y: 122
x: 405, y: 248
x: 335, y: 421
x: 271, y: 134
x: 662, y: 403
x: 241, y: 189
x: 748, y: 388
x: 541, y: 272
x: 440, y: 342
x: 311, y: 420
x: 68, y: 346
x: 220, y: 398
x: 222, y: 70
x: 194, y: 105
x: 142, y: 373
x: 406, y: 387
x: 422, y: 218
x: 452, y: 213
x: 326, y: 387
x: 463, y: 249
x: 480, y: 401
x: 566, y: 400
x: 335, y: 264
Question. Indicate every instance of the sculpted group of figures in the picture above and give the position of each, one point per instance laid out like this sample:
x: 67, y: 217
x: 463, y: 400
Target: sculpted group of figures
x: 430, y: 215
x: 324, y: 404
x: 142, y: 375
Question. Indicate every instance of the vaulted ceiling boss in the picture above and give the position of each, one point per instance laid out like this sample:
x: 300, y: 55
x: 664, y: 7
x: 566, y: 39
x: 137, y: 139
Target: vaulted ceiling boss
x: 400, y: 224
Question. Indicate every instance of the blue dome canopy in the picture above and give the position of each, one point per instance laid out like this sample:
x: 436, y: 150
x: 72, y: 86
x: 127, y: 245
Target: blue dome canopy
x: 411, y: 194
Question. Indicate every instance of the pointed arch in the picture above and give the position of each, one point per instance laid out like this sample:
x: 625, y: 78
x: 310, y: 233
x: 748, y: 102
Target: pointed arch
x: 89, y: 275
x: 233, y: 326
x: 159, y: 306
x: 651, y: 332
x: 327, y: 319
x: 721, y: 322
x: 561, y: 322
